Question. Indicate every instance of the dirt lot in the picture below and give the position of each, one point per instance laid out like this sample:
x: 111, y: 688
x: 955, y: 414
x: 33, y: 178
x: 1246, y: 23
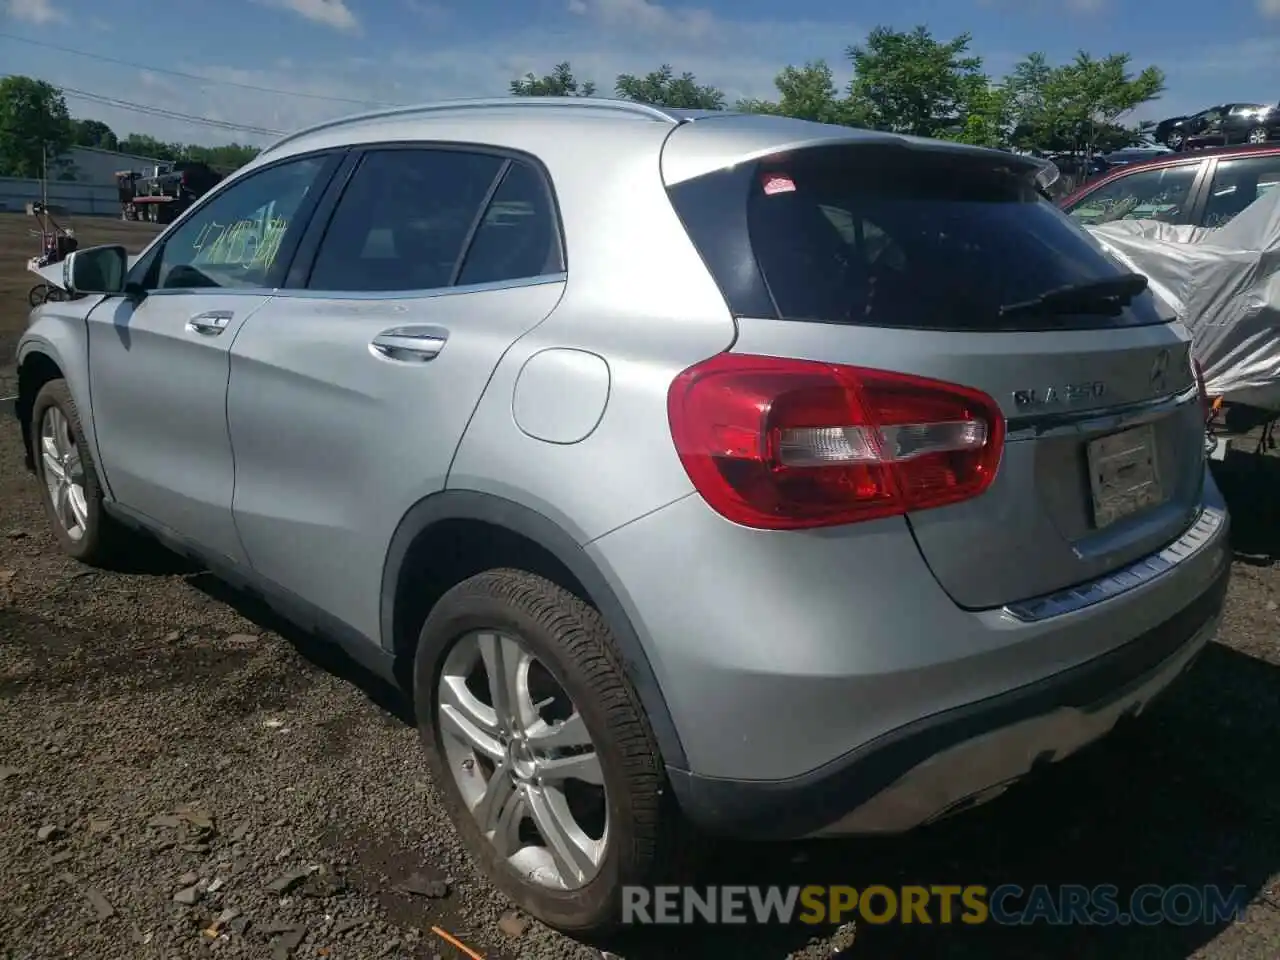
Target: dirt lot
x: 163, y: 741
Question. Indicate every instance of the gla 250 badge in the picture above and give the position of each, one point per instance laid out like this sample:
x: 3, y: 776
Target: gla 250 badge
x: 1068, y: 393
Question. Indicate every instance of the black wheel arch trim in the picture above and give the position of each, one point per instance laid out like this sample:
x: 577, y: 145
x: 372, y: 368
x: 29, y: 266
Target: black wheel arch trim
x: 548, y: 534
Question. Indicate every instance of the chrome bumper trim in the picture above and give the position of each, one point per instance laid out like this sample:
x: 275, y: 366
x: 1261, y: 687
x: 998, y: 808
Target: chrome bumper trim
x: 1122, y: 581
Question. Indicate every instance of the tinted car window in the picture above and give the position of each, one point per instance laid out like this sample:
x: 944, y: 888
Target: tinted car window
x: 1162, y: 194
x: 403, y: 220
x: 517, y: 238
x: 895, y: 238
x: 1237, y: 184
x: 234, y: 239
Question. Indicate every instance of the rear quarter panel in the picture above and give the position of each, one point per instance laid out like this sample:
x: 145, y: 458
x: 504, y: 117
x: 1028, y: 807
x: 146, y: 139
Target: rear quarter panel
x: 639, y: 297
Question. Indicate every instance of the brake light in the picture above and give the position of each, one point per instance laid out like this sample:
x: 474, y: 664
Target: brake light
x: 783, y: 444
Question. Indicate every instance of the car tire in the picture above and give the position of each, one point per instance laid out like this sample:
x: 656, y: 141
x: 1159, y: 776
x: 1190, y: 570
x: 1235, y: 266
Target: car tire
x: 1257, y: 135
x: 646, y: 840
x: 1176, y: 142
x: 91, y: 536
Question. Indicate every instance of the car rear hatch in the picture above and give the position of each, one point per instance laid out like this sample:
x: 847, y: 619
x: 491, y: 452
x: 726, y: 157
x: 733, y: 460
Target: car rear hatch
x: 934, y: 261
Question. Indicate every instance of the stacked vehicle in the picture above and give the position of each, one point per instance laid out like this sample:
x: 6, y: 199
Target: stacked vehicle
x: 1221, y: 126
x: 167, y: 191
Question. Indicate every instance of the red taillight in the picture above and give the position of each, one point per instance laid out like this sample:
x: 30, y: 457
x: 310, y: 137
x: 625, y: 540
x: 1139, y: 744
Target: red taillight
x: 788, y: 444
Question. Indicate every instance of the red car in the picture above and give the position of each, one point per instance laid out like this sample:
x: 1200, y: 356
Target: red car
x: 1206, y: 188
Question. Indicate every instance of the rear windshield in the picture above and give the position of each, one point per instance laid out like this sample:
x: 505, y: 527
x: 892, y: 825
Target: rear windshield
x: 893, y: 237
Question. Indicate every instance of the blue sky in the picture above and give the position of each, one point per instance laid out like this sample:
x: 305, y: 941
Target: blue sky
x: 397, y: 51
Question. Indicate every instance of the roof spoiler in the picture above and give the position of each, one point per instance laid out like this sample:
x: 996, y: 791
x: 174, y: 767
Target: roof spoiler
x: 1047, y: 175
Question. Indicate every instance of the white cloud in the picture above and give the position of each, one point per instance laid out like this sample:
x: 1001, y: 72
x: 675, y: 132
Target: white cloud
x: 607, y: 38
x: 34, y: 11
x: 1269, y: 8
x: 331, y: 13
x: 643, y: 15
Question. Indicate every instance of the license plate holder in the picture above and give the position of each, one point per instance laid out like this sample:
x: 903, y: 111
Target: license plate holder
x: 1124, y: 474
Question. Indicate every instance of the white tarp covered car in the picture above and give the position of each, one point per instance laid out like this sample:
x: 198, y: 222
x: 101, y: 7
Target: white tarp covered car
x: 1224, y: 283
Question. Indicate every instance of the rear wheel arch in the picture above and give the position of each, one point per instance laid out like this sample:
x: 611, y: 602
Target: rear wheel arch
x: 451, y: 536
x: 36, y: 369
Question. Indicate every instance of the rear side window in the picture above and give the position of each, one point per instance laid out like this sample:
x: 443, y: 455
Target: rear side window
x: 517, y: 239
x: 403, y: 220
x: 1237, y: 184
x: 889, y: 237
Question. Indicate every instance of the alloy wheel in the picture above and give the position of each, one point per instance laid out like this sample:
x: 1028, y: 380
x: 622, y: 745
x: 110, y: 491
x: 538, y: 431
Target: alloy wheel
x: 64, y: 474
x: 1258, y: 135
x: 523, y: 761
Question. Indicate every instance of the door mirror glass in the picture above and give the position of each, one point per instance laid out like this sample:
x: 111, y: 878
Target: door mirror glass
x: 96, y: 270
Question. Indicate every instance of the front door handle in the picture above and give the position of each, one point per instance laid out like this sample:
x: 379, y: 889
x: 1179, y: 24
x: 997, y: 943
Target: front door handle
x: 211, y: 323
x: 414, y: 344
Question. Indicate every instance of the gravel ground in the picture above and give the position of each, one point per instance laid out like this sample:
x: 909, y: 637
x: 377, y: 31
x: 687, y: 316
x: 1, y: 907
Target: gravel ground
x: 180, y: 773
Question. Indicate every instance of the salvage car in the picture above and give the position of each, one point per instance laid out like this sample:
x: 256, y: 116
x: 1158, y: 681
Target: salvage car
x: 696, y: 472
x: 1204, y: 189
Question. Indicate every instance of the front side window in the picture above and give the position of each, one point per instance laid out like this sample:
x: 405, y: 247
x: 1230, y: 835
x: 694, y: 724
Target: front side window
x: 234, y: 240
x: 404, y: 220
x: 1162, y: 194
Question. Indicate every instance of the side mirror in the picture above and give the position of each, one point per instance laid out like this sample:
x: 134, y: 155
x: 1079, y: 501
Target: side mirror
x: 96, y: 270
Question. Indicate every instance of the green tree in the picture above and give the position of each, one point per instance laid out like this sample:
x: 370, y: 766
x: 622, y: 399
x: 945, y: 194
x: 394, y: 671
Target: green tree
x: 986, y: 124
x: 93, y: 133
x: 560, y: 82
x: 1079, y: 105
x: 34, y: 126
x: 224, y: 159
x: 910, y: 82
x: 143, y: 145
x: 662, y: 88
x: 806, y: 93
x: 1029, y: 110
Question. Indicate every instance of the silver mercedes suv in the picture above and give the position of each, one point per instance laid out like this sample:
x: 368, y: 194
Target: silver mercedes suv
x: 732, y: 471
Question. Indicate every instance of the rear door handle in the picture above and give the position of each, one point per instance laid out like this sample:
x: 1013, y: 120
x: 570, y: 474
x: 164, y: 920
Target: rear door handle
x: 413, y: 344
x: 210, y: 323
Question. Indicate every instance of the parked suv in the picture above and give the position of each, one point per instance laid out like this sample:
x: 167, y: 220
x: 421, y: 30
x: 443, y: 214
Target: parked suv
x: 740, y: 472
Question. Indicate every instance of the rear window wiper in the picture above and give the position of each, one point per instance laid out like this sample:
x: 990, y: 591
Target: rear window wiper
x: 1097, y: 296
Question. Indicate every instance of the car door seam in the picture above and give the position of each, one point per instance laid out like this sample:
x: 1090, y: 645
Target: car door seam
x: 226, y: 419
x: 103, y: 479
x: 493, y: 372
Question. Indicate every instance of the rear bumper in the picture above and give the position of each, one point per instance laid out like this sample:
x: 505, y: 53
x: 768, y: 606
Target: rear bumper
x: 964, y: 756
x: 809, y: 674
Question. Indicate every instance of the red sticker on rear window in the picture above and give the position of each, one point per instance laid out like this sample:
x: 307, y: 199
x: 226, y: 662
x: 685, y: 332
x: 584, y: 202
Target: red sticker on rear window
x: 776, y: 183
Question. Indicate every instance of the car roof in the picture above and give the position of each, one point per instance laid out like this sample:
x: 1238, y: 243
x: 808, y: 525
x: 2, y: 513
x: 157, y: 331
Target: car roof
x: 723, y: 136
x: 1190, y: 156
